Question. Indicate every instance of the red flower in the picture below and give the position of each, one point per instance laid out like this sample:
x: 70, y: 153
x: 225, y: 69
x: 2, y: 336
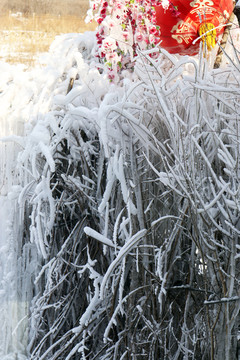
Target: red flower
x: 153, y: 30
x: 103, y: 11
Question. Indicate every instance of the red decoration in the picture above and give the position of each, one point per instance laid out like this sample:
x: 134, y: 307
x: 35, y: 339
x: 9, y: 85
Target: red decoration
x: 179, y: 24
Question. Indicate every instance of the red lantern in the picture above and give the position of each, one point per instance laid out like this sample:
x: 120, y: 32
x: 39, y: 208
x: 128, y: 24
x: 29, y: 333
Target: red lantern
x: 184, y: 20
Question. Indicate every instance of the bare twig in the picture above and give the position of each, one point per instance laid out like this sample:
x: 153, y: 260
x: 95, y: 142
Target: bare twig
x: 223, y: 43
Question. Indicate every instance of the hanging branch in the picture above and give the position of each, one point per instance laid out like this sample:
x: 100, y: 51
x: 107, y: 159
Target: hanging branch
x: 223, y: 42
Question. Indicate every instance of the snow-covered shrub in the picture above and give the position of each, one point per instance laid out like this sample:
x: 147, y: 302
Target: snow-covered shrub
x: 130, y: 194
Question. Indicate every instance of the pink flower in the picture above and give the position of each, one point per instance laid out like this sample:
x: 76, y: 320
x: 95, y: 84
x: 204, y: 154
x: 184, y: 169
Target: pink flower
x: 146, y: 39
x: 152, y: 30
x: 111, y: 75
x: 139, y: 37
x: 125, y: 35
x: 152, y: 39
x: 109, y: 44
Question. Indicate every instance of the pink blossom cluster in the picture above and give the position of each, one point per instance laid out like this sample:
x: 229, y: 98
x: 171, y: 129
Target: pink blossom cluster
x: 124, y: 26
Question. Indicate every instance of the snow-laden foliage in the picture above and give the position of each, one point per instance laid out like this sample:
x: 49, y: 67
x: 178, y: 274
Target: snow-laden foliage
x: 131, y: 202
